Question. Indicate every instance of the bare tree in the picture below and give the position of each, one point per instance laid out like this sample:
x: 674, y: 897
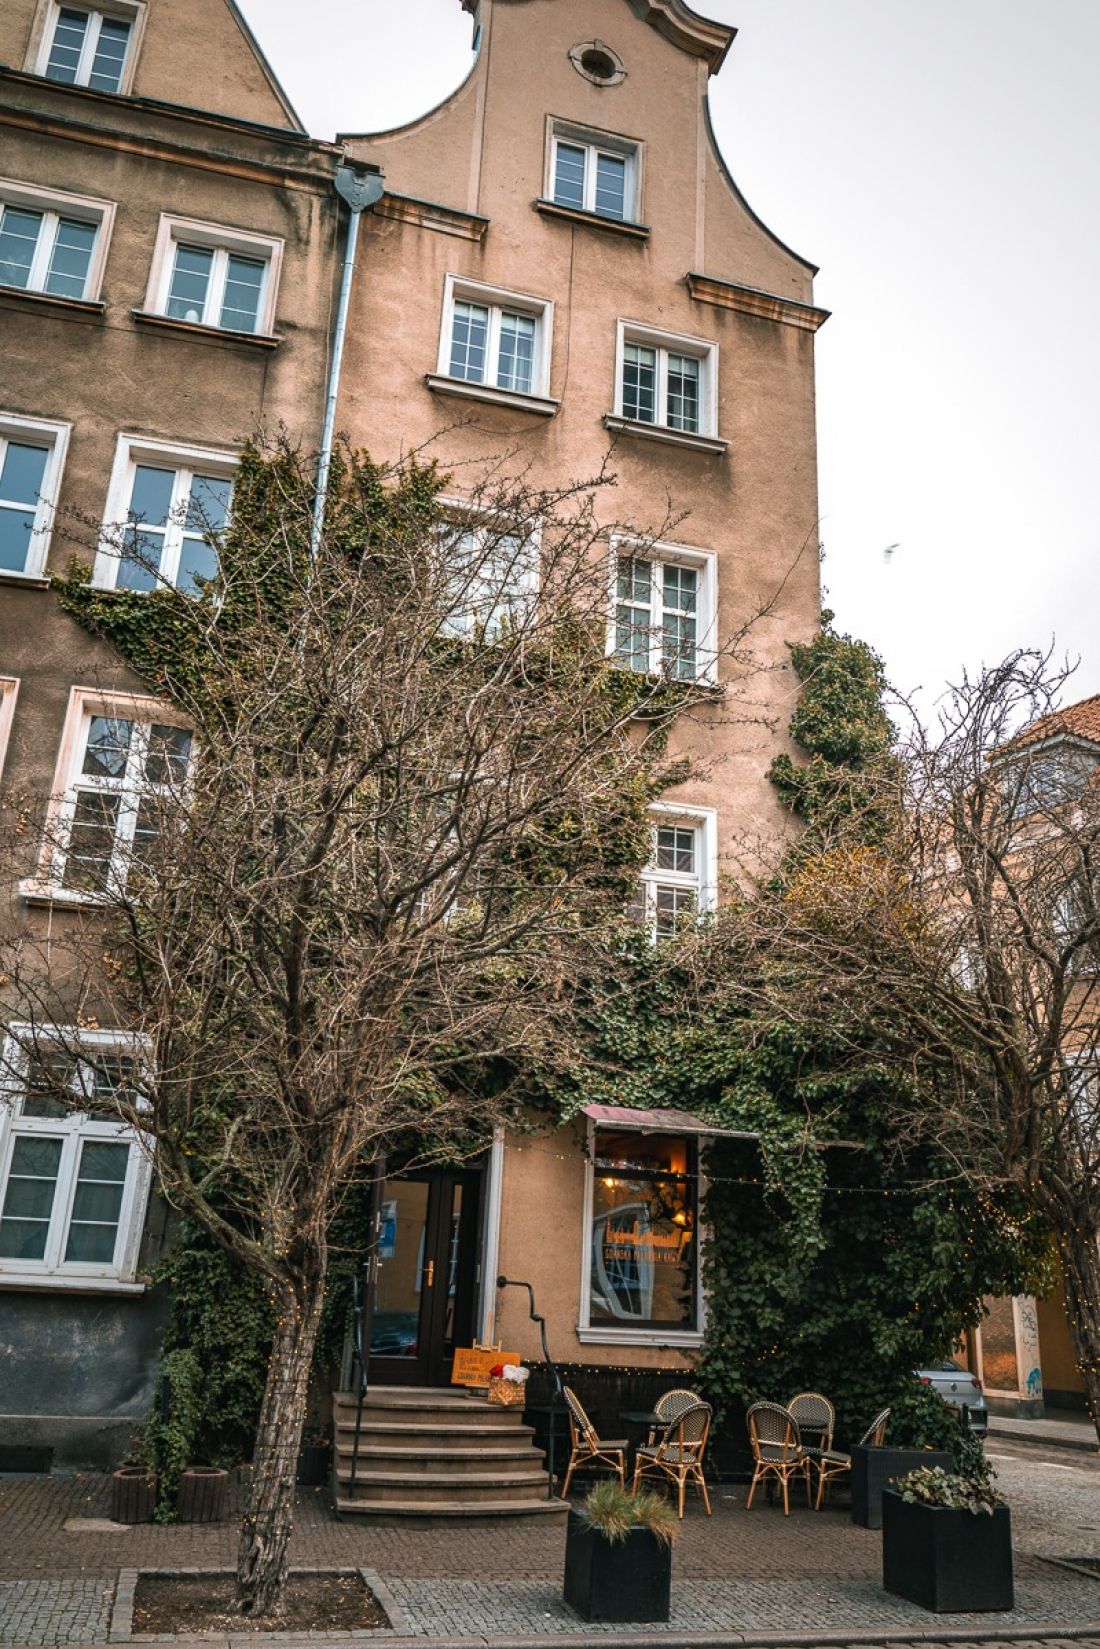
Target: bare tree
x: 393, y: 806
x: 960, y: 944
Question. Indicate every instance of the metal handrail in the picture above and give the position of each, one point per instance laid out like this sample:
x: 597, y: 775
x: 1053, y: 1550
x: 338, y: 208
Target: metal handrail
x: 360, y: 1376
x: 556, y: 1389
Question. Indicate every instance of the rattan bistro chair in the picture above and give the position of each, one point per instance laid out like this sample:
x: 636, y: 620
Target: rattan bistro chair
x: 678, y: 1457
x: 588, y: 1448
x: 669, y: 1406
x: 777, y: 1451
x: 816, y: 1414
x: 833, y: 1463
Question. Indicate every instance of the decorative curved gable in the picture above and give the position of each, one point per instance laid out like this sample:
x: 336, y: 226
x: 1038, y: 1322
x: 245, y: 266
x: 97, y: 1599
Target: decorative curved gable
x: 677, y: 22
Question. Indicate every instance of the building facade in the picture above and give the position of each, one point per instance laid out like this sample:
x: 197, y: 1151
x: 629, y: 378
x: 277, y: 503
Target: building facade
x: 561, y: 268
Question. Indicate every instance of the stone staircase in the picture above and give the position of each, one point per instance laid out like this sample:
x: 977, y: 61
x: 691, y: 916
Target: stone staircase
x: 428, y: 1454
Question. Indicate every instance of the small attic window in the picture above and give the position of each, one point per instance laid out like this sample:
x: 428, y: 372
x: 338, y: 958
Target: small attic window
x: 598, y: 63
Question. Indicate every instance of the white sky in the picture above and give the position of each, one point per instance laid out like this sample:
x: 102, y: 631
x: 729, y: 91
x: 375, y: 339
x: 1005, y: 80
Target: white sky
x: 939, y: 161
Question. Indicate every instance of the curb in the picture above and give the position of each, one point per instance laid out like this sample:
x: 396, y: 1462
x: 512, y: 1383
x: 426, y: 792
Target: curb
x: 1078, y: 1445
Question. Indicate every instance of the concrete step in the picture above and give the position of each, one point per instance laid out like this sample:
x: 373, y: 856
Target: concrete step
x: 448, y: 1511
x: 425, y: 1408
x: 438, y: 1489
x: 413, y: 1433
x: 377, y: 1455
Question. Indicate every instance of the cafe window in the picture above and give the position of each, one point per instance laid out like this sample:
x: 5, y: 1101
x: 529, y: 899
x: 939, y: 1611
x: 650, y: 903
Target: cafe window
x: 643, y: 1237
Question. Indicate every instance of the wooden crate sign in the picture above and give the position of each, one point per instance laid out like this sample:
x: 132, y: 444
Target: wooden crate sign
x: 472, y: 1364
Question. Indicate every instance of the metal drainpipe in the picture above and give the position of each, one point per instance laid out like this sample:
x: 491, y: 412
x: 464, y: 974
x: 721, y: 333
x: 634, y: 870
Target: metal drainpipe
x: 360, y: 189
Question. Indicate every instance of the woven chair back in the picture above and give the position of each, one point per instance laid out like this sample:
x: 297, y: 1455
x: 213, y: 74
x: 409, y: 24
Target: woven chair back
x: 775, y: 1426
x: 691, y: 1428
x: 579, y: 1423
x: 813, y: 1411
x: 671, y: 1404
x: 875, y: 1435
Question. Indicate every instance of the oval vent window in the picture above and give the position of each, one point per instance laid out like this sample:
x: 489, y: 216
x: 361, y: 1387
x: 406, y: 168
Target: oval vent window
x: 598, y: 63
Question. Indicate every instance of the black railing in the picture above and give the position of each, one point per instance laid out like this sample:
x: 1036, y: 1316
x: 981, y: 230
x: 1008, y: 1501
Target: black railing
x: 555, y: 1378
x: 362, y: 1312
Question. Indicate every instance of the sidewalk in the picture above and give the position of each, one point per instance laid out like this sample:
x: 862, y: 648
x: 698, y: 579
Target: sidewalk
x: 1064, y: 1431
x: 739, y: 1578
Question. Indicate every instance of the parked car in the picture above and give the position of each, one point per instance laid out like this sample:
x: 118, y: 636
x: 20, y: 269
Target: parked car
x: 961, y: 1389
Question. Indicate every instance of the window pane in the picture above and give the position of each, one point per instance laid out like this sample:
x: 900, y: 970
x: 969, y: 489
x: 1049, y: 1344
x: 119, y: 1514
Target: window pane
x: 680, y: 601
x: 19, y: 233
x: 28, y: 1201
x: 241, y: 303
x: 640, y: 383
x: 169, y: 754
x: 108, y: 747
x: 139, y: 564
x: 21, y: 477
x: 208, y: 503
x: 97, y: 1203
x: 633, y: 612
x: 675, y: 906
x: 569, y: 175
x: 150, y: 506
x: 151, y: 498
x: 469, y: 334
x: 611, y: 186
x: 68, y: 40
x: 91, y: 840
x: 676, y: 849
x: 106, y: 1082
x: 190, y: 283
x: 70, y: 259
x: 683, y: 393
x: 48, y: 1078
x: 643, y: 1231
x: 110, y: 55
x: 517, y: 352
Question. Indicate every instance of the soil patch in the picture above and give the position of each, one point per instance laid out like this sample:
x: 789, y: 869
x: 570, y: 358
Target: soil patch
x: 337, y: 1601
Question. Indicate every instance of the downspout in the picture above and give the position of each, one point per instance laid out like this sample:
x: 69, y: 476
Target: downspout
x: 360, y: 189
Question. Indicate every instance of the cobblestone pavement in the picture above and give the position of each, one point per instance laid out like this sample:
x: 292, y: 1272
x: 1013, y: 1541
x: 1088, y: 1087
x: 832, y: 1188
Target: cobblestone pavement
x: 738, y: 1572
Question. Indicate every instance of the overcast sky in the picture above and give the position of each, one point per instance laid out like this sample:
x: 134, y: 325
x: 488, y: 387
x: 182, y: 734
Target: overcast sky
x: 940, y: 162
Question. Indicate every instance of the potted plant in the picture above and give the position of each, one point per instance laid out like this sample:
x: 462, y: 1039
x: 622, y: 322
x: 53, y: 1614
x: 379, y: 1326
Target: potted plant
x: 618, y: 1555
x: 874, y: 1470
x: 314, y: 1458
x: 133, y: 1494
x: 923, y: 1432
x: 947, y: 1541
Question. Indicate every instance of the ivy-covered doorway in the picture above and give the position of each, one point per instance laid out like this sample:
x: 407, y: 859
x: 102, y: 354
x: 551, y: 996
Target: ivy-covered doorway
x: 425, y: 1290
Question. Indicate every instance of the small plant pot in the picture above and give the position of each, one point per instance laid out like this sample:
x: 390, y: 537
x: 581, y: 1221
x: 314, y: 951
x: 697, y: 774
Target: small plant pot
x: 202, y: 1493
x: 313, y: 1465
x: 628, y: 1580
x: 133, y: 1495
x: 947, y: 1561
x: 873, y: 1470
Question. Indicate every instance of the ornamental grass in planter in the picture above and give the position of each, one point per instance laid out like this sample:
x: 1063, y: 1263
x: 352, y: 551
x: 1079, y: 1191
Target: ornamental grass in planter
x: 947, y: 1541
x: 618, y: 1555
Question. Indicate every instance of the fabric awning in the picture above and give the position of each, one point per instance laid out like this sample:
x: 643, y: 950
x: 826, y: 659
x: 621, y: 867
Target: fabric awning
x: 660, y: 1122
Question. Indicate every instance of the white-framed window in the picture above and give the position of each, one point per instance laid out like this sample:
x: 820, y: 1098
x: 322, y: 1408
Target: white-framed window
x: 665, y: 380
x: 52, y: 242
x: 32, y: 456
x: 166, y: 507
x: 490, y: 577
x: 680, y: 882
x: 122, y: 761
x: 500, y: 340
x: 93, y: 46
x: 594, y: 172
x: 210, y: 275
x: 641, y: 1281
x: 9, y: 692
x: 664, y: 610
x: 74, y: 1178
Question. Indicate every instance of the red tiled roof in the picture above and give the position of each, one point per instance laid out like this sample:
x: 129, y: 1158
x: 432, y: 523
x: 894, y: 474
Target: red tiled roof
x: 1080, y: 720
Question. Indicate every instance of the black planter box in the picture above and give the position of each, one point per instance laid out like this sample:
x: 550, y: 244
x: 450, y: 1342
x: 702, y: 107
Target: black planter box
x: 951, y: 1562
x: 628, y: 1581
x: 874, y: 1469
x: 313, y: 1465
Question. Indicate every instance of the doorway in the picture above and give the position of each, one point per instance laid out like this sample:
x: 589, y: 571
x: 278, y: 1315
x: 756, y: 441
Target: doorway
x: 425, y: 1288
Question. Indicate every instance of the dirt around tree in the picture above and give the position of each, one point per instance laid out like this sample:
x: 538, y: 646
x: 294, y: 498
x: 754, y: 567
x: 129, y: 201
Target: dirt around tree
x: 336, y: 1601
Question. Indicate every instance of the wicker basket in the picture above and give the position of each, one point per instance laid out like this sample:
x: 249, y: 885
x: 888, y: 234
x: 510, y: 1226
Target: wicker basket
x: 507, y: 1394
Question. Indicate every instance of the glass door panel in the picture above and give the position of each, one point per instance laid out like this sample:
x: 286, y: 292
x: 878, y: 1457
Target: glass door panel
x: 397, y: 1328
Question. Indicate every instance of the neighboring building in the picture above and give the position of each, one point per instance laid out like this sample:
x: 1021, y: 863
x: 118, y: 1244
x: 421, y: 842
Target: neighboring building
x: 561, y: 264
x: 166, y: 281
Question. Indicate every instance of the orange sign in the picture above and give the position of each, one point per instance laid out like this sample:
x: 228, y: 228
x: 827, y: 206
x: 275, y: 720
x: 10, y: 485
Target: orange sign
x: 472, y: 1364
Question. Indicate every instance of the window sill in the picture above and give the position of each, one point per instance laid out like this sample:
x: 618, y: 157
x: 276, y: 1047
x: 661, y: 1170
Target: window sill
x: 668, y: 437
x: 593, y: 220
x: 85, y: 309
x: 27, y: 1280
x: 34, y: 892
x: 541, y: 405
x: 25, y: 581
x: 205, y: 334
x: 640, y: 1337
x: 702, y: 687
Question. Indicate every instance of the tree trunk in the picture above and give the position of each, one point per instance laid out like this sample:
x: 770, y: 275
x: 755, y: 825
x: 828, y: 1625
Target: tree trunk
x: 1080, y: 1255
x: 269, y: 1519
